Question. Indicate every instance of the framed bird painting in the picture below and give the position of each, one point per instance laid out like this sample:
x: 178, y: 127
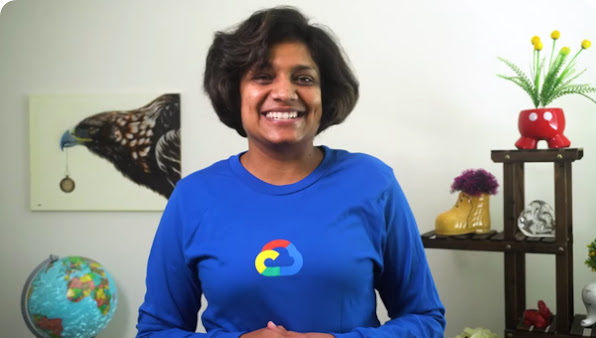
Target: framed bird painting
x: 104, y: 152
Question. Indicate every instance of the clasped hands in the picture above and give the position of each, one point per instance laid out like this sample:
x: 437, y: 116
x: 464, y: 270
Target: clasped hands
x: 278, y: 331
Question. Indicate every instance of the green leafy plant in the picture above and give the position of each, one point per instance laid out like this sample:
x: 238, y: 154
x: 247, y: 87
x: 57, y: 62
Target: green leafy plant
x: 548, y: 82
x: 591, y: 260
x: 478, y: 332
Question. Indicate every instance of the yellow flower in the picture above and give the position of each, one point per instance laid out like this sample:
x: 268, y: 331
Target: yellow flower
x: 538, y: 46
x: 566, y: 51
x: 535, y: 39
x: 586, y: 44
x: 592, y: 253
x: 555, y: 34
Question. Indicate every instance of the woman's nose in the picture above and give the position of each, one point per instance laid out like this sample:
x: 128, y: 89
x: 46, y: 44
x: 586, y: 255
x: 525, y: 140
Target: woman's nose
x: 284, y: 90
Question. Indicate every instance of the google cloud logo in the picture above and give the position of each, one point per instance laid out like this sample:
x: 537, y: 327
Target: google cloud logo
x: 274, y: 250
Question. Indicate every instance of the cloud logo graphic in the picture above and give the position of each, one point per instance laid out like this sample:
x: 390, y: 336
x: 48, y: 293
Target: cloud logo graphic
x: 272, y: 251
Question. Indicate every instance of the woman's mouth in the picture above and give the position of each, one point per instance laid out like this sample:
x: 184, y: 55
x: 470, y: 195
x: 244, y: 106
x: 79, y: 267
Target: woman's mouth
x: 282, y: 115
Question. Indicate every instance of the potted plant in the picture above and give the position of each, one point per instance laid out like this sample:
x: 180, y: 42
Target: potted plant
x: 546, y: 83
x: 478, y: 332
x: 471, y: 212
x: 589, y: 291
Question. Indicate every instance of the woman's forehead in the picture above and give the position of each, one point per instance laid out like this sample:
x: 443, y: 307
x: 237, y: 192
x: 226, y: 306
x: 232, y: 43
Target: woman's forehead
x: 288, y: 54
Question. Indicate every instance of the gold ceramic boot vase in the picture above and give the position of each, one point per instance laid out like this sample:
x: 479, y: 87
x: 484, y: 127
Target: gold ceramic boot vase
x: 455, y: 221
x: 471, y: 212
x: 479, y: 218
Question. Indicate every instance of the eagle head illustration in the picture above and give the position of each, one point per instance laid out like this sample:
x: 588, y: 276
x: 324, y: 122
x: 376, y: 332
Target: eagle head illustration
x: 143, y: 144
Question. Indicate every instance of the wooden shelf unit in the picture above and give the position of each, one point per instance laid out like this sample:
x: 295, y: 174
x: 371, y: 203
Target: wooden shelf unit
x: 515, y: 245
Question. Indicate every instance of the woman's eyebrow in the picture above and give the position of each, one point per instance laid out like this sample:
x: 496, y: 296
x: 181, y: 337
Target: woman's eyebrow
x: 304, y: 67
x: 269, y: 67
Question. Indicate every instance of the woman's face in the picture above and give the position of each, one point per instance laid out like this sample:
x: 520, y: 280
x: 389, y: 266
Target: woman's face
x: 281, y: 102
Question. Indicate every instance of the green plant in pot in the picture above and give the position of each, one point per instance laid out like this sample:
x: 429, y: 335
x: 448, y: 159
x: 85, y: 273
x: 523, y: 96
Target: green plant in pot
x: 589, y: 291
x: 547, y: 81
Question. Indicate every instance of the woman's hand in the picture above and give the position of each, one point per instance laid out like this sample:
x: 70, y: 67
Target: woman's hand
x: 278, y: 331
x: 270, y: 331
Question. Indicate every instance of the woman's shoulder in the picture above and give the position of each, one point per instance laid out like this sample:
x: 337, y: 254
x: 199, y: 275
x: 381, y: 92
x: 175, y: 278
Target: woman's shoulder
x: 206, y: 176
x: 360, y: 167
x: 357, y: 160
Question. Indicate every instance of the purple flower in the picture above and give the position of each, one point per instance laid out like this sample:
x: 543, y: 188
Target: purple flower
x: 475, y: 182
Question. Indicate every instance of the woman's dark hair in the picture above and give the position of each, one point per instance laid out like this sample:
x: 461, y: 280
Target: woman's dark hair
x: 233, y: 53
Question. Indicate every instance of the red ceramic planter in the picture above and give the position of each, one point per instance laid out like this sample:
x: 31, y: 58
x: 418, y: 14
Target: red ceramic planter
x: 542, y: 124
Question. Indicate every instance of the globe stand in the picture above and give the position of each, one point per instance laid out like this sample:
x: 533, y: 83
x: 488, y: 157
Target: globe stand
x: 24, y: 307
x: 71, y: 296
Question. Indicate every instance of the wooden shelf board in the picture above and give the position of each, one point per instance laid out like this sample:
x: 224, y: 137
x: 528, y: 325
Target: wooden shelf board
x: 537, y: 155
x: 575, y: 331
x: 494, y: 241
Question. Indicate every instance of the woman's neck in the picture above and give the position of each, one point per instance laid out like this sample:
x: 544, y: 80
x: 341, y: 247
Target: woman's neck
x: 283, y: 165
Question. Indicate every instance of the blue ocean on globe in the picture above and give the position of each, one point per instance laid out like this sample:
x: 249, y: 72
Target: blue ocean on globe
x: 69, y: 297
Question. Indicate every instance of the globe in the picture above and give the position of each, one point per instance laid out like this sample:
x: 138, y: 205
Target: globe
x: 68, y: 297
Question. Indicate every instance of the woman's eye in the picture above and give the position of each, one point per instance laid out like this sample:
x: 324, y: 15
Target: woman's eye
x: 304, y: 79
x: 262, y: 77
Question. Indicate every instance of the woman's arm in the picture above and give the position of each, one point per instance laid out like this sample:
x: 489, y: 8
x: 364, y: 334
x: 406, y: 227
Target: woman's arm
x: 405, y: 284
x: 173, y: 295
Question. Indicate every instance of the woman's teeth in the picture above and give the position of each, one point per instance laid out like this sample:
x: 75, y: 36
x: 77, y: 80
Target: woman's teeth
x: 282, y: 115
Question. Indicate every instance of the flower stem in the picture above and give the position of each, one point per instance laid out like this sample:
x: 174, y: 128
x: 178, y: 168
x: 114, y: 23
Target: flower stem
x: 551, y: 55
x: 537, y: 77
x: 564, y: 72
x: 534, y: 61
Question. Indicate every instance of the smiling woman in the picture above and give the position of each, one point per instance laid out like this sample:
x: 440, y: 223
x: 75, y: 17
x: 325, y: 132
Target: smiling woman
x: 281, y: 109
x: 233, y: 54
x: 314, y: 231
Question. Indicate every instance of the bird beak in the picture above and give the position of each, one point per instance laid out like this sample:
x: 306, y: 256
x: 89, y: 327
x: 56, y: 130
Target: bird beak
x: 69, y: 139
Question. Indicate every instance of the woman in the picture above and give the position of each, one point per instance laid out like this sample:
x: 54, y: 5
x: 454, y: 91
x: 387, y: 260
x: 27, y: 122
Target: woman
x: 287, y: 239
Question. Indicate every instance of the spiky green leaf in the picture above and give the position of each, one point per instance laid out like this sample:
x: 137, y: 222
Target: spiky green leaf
x: 552, y: 80
x: 521, y: 80
x: 579, y: 89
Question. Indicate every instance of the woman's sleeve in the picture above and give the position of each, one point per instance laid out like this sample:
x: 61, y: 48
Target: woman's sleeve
x: 173, y: 295
x: 405, y: 284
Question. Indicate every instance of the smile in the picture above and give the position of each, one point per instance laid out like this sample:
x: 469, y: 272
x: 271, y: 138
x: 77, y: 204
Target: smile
x: 282, y: 115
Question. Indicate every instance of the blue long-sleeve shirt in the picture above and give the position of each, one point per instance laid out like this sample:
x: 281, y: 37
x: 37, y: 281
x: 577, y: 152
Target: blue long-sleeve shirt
x: 307, y: 256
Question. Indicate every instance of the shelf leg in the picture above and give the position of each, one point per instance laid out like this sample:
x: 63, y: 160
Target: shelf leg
x: 515, y: 263
x: 564, y: 237
x: 515, y: 288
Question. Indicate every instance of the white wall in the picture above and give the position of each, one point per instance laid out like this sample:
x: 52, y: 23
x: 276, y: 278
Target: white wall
x: 431, y: 106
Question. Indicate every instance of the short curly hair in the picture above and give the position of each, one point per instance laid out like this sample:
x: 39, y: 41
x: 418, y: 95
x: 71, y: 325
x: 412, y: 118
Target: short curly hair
x: 233, y: 53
